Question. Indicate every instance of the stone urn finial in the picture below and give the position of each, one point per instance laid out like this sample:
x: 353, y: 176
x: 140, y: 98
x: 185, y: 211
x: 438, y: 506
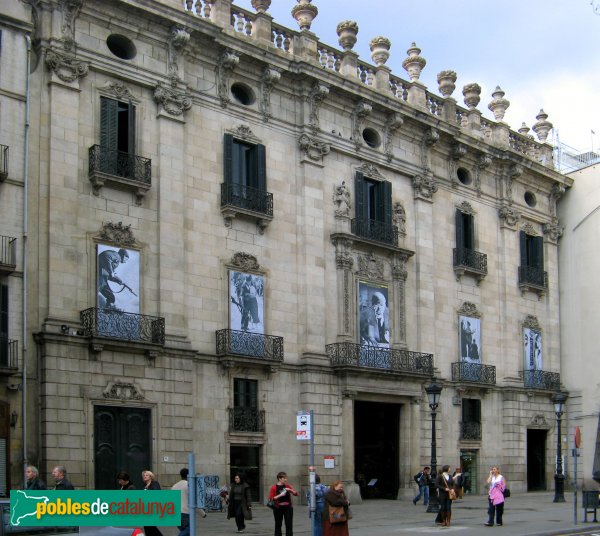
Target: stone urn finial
x: 414, y: 63
x: 499, y: 104
x: 380, y: 49
x: 446, y: 81
x: 261, y: 5
x: 347, y: 30
x: 304, y: 13
x: 524, y: 130
x: 472, y: 93
x: 542, y: 126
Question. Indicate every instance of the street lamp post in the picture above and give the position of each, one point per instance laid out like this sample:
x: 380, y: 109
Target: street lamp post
x: 433, y: 391
x: 558, y: 399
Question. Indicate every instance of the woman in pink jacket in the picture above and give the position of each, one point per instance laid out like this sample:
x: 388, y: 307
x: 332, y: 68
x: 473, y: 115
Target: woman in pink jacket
x: 497, y: 486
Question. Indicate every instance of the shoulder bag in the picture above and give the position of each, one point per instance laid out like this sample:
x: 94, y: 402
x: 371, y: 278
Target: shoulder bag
x: 337, y: 514
x: 451, y: 494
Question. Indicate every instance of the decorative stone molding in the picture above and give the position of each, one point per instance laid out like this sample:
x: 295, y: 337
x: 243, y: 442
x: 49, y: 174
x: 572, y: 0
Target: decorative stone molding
x: 225, y: 66
x: 457, y: 151
x: 344, y: 260
x: 399, y: 271
x: 312, y: 148
x: 178, y: 39
x: 117, y: 233
x: 370, y: 266
x: 393, y: 122
x: 469, y: 309
x: 508, y: 216
x: 514, y: 172
x: 119, y: 91
x: 471, y: 93
x: 244, y: 132
x: 304, y: 13
x: 123, y: 391
x: 359, y: 114
x: 315, y: 97
x: 369, y: 170
x: 499, y: 104
x: 553, y: 231
x: 430, y: 137
x: 342, y: 200
x: 380, y: 50
x: 466, y: 208
x: 174, y: 102
x: 414, y: 63
x: 65, y: 65
x: 484, y: 162
x: 244, y: 262
x: 446, y: 83
x: 269, y: 78
x: 528, y: 229
x: 347, y: 31
x: 424, y: 186
x: 538, y: 421
x: 70, y: 10
x: 531, y: 322
x: 399, y: 218
x: 556, y: 192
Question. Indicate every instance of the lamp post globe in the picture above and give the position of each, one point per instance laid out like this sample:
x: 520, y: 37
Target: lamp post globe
x: 433, y: 391
x: 559, y: 399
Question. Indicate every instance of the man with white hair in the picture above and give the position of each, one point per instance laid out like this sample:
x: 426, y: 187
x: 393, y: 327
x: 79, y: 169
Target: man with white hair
x: 60, y: 476
x: 34, y: 482
x: 374, y: 322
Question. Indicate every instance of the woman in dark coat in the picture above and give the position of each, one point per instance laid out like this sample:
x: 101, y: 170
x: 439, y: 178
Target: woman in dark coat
x: 239, y: 505
x: 443, y: 484
x: 150, y: 483
x: 335, y: 497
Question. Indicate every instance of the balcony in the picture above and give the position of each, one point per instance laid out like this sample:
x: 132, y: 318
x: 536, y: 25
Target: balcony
x: 469, y: 261
x: 246, y: 201
x: 540, y: 379
x: 115, y: 324
x: 8, y: 254
x: 474, y: 373
x: 9, y: 355
x: 3, y: 162
x: 348, y: 355
x: 120, y: 170
x: 533, y: 279
x: 470, y: 431
x: 251, y: 347
x: 246, y: 420
x: 376, y: 231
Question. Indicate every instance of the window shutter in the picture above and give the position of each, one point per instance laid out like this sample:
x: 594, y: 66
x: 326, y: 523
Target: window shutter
x: 360, y: 195
x: 261, y: 167
x: 131, y: 129
x: 460, y: 230
x: 385, y: 202
x: 228, y: 158
x: 538, y: 252
x: 108, y: 123
x: 4, y: 311
x: 523, y: 248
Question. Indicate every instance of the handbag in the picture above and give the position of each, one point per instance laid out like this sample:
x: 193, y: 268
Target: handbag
x: 451, y: 494
x: 337, y: 514
x: 271, y: 504
x: 506, y: 492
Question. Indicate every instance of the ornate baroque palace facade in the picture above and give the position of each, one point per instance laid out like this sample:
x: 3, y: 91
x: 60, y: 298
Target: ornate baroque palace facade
x: 211, y: 222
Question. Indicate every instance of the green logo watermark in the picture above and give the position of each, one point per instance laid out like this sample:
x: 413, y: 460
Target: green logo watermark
x: 91, y: 508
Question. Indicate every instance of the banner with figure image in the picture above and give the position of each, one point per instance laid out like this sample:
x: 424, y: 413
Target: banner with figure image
x: 532, y: 349
x: 373, y: 315
x: 469, y: 336
x: 246, y: 302
x: 118, y: 279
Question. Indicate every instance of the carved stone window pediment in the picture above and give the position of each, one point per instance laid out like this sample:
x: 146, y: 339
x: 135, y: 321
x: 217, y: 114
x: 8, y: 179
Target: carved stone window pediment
x: 117, y: 233
x: 123, y: 391
x: 469, y: 309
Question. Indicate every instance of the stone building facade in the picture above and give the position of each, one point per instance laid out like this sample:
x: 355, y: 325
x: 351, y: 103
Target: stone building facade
x: 231, y: 221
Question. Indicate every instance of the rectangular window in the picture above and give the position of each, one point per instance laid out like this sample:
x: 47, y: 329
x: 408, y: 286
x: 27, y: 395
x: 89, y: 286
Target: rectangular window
x: 117, y: 125
x: 471, y: 410
x: 245, y: 393
x: 465, y: 230
x: 532, y: 251
x: 373, y: 211
x: 245, y: 163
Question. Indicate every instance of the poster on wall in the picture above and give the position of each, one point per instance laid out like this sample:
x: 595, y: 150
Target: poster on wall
x: 469, y: 336
x: 118, y: 279
x: 532, y: 349
x: 246, y: 302
x: 373, y: 315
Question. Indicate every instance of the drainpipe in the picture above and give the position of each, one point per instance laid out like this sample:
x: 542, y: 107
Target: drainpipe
x: 24, y: 253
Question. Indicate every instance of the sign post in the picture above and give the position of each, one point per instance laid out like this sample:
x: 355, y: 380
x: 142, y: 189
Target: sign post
x: 577, y: 442
x: 192, y: 491
x: 305, y: 432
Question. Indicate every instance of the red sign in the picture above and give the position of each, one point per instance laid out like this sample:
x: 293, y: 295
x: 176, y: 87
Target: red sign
x: 577, y: 437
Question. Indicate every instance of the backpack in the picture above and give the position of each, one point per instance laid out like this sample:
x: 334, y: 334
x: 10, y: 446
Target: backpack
x: 418, y: 478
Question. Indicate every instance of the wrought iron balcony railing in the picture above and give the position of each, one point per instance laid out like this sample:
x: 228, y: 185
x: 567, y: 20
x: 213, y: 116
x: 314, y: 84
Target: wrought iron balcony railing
x: 120, y: 164
x: 3, y: 162
x: 541, y: 379
x: 348, y: 354
x: 378, y: 231
x: 474, y: 372
x: 470, y: 431
x: 535, y: 278
x: 247, y: 198
x: 248, y: 344
x: 246, y: 420
x: 9, y: 354
x: 116, y: 324
x: 8, y: 253
x: 470, y: 261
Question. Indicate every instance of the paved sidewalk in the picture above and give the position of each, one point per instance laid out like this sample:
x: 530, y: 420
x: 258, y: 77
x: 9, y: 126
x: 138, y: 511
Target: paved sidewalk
x: 527, y: 514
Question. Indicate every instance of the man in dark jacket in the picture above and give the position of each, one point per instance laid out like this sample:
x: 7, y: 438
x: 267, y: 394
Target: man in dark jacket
x: 60, y: 476
x: 33, y: 479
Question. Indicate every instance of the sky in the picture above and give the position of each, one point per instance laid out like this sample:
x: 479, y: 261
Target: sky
x: 542, y: 53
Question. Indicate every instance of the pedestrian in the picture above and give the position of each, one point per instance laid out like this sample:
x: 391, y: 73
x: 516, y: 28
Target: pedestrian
x: 151, y: 484
x: 497, y: 486
x: 336, y: 500
x: 281, y: 493
x: 457, y: 478
x: 240, y: 500
x: 182, y: 486
x: 124, y: 481
x: 317, y: 515
x: 34, y: 482
x: 444, y: 484
x: 60, y: 476
x: 423, y: 479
